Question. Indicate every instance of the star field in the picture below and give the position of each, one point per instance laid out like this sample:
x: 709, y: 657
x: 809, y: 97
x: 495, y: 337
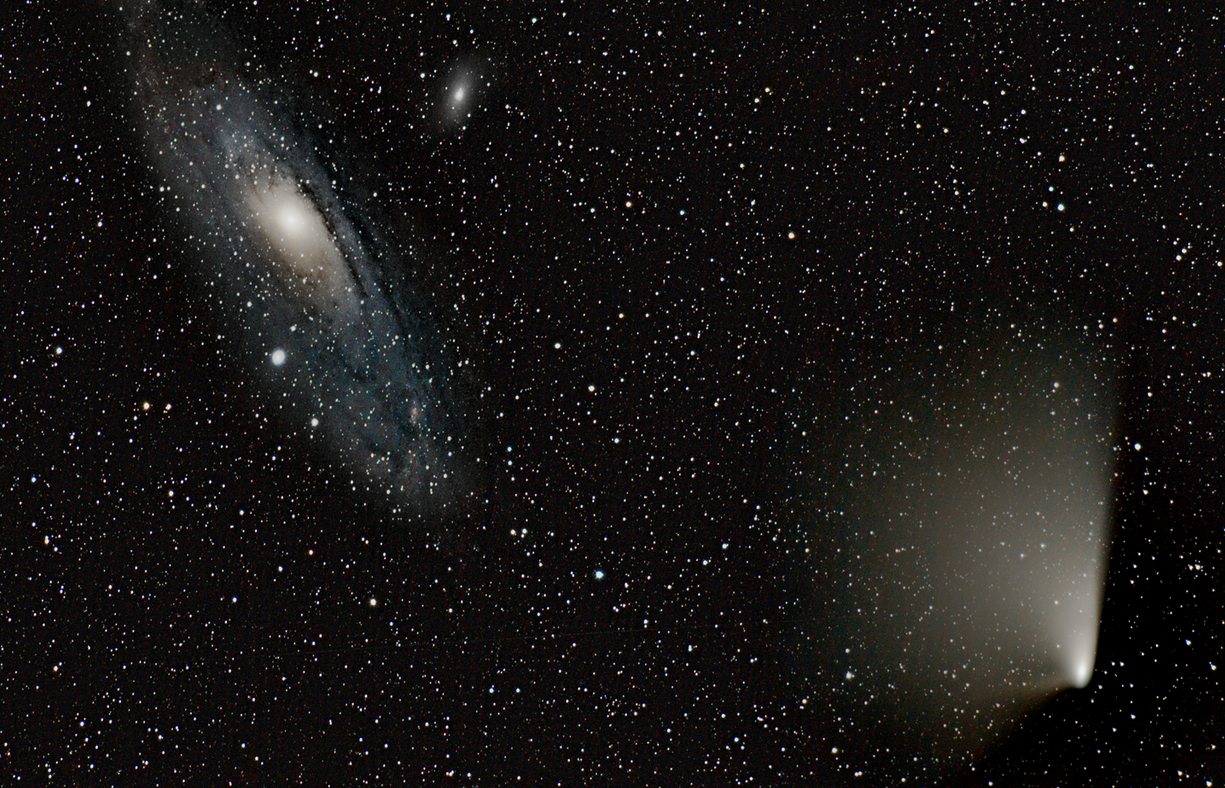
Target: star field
x: 802, y: 367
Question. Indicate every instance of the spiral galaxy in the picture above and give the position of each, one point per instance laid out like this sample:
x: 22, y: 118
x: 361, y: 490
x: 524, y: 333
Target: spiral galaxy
x: 324, y: 301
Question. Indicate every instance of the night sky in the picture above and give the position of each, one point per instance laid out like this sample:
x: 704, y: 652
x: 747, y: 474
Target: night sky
x: 806, y: 360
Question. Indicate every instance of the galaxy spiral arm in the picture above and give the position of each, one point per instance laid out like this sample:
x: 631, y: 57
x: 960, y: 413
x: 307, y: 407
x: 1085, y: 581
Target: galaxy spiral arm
x: 326, y: 310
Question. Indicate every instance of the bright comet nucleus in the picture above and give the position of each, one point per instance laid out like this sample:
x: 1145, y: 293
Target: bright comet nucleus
x: 1083, y: 672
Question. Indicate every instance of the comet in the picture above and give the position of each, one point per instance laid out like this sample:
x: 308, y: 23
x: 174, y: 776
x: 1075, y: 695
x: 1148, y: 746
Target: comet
x: 957, y: 548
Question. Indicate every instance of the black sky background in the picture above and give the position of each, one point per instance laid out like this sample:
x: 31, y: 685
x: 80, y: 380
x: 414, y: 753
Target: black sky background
x: 663, y: 234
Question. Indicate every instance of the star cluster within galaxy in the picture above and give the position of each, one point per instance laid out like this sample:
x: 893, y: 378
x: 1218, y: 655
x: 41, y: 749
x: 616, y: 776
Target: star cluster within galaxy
x: 579, y: 395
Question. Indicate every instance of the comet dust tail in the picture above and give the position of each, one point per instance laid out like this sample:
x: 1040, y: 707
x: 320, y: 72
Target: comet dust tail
x: 957, y: 538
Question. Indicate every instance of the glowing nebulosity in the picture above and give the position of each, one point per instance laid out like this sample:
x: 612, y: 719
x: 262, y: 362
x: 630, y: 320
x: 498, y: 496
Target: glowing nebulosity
x: 294, y: 259
x: 960, y: 538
